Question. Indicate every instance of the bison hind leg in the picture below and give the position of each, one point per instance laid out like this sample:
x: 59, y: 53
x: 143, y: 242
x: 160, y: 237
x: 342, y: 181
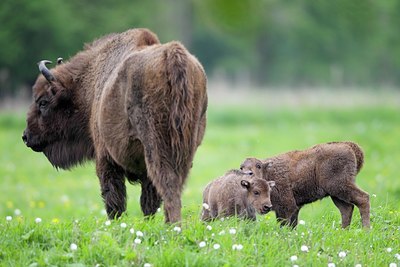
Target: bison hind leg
x: 346, y: 210
x: 150, y: 200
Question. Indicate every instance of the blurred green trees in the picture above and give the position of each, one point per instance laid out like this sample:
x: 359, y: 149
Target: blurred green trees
x: 266, y: 42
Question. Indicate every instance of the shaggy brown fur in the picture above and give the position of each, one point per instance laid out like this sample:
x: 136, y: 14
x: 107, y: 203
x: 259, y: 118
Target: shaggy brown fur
x: 236, y: 193
x: 303, y: 177
x: 135, y: 106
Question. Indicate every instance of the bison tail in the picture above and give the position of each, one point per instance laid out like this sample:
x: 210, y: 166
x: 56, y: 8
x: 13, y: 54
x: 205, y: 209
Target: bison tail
x: 358, y: 153
x: 182, y: 122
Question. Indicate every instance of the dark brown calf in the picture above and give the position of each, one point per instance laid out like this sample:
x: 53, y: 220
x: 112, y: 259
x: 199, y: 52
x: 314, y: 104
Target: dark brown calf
x: 303, y: 177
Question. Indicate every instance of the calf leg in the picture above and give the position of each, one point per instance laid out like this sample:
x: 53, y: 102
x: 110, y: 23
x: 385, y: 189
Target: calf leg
x: 350, y: 193
x: 113, y: 190
x: 150, y: 200
x: 294, y: 218
x: 346, y: 210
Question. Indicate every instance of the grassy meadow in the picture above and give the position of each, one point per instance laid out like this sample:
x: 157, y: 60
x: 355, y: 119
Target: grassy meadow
x: 56, y: 218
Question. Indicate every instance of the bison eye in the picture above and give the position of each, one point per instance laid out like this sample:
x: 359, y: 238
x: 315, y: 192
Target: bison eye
x: 43, y: 103
x: 258, y: 166
x: 256, y: 193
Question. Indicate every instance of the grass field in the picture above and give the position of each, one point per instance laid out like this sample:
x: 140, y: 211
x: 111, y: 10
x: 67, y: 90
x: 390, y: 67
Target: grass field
x: 56, y: 218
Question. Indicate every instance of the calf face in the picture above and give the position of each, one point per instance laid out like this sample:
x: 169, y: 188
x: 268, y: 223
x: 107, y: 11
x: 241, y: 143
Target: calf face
x: 252, y: 166
x: 259, y: 194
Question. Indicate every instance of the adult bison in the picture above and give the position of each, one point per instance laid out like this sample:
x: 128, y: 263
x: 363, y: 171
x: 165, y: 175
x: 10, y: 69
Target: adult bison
x: 135, y: 106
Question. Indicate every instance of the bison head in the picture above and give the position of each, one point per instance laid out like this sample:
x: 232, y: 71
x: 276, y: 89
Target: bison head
x: 54, y: 126
x: 259, y: 193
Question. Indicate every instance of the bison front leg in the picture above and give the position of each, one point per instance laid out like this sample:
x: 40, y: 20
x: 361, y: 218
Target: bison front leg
x: 113, y: 190
x: 150, y: 200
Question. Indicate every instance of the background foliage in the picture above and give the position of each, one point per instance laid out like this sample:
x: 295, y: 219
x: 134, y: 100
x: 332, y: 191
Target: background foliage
x: 265, y: 42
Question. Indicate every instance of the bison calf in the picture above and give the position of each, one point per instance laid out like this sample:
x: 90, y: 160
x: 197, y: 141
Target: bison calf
x: 303, y: 177
x: 236, y: 193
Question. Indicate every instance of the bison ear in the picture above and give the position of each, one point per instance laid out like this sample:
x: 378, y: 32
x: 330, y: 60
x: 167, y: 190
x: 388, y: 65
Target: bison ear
x: 245, y: 184
x: 271, y: 183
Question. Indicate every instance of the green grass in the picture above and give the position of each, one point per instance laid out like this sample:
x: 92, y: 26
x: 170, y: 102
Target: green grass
x: 71, y: 211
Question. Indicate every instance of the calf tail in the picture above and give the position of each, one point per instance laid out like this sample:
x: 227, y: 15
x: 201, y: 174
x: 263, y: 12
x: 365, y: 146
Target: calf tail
x: 358, y: 153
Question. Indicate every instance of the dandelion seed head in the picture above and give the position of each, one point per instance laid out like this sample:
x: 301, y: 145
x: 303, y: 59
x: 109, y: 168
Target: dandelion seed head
x: 177, y: 229
x: 108, y: 223
x: 202, y: 244
x: 73, y: 246
x: 209, y: 227
x: 131, y: 231
x: 293, y: 258
x: 103, y: 212
x: 397, y: 256
x: 216, y: 246
x: 123, y: 225
x: 17, y: 212
x: 389, y: 249
x: 302, y: 222
x: 137, y: 241
x: 159, y: 210
x: 232, y: 231
x: 8, y: 218
x: 342, y: 254
x: 304, y: 248
x: 358, y: 265
x: 331, y: 264
x: 392, y: 264
x: 222, y: 232
x: 38, y: 220
x: 147, y: 265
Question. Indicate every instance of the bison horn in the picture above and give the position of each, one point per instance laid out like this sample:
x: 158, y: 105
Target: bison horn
x: 45, y: 71
x: 60, y: 60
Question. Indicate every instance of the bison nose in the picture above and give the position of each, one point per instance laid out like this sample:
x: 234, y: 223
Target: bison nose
x: 24, y: 138
x: 267, y: 208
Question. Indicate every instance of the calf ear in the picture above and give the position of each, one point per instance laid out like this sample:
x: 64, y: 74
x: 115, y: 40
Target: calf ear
x: 271, y: 183
x: 245, y: 184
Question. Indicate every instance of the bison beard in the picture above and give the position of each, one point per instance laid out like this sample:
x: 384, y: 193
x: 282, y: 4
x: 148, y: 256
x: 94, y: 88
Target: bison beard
x: 135, y: 106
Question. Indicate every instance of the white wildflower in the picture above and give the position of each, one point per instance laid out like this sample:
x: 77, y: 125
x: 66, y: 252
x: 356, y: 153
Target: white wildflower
x: 139, y: 234
x: 331, y: 264
x: 131, y: 230
x: 73, y: 246
x: 123, y: 225
x: 222, y: 232
x: 147, y: 265
x: 358, y: 265
x: 302, y: 222
x: 38, y: 220
x: 389, y: 249
x: 209, y: 227
x: 206, y: 206
x: 237, y: 247
x: 216, y: 246
x: 202, y: 244
x: 177, y: 229
x: 8, y: 218
x: 397, y: 255
x: 159, y: 210
x: 342, y: 254
x: 107, y: 223
x: 392, y: 264
x: 293, y: 258
x: 137, y: 241
x: 232, y: 231
x: 17, y: 212
x: 304, y: 248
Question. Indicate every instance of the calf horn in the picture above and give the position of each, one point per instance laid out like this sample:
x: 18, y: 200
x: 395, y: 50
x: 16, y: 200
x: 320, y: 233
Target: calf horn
x: 45, y: 71
x: 60, y: 60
